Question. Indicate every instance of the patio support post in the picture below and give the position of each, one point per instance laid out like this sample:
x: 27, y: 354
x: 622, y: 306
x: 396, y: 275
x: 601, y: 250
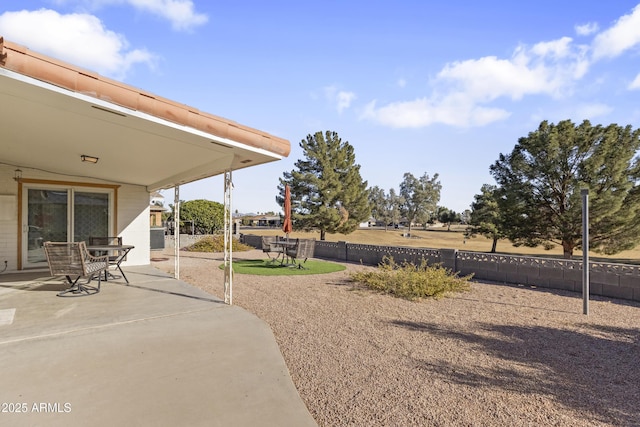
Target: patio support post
x: 228, y: 242
x: 176, y: 232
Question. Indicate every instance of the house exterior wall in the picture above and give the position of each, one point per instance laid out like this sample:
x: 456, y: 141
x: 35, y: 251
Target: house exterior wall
x: 132, y: 213
x: 133, y: 223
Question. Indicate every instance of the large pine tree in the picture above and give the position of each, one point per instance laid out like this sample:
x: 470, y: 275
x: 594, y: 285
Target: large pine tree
x: 327, y: 191
x: 540, y: 182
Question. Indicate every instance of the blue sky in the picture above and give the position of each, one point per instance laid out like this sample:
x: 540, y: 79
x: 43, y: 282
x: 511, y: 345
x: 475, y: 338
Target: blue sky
x: 415, y: 86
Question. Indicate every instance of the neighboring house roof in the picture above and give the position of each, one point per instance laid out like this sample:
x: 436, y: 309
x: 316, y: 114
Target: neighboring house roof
x: 157, y: 198
x: 51, y: 112
x: 263, y: 218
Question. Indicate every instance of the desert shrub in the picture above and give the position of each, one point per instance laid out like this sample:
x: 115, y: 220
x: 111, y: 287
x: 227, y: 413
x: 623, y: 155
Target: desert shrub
x: 412, y: 282
x: 216, y: 244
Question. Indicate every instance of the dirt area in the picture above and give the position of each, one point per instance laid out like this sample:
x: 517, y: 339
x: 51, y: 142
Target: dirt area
x: 495, y: 356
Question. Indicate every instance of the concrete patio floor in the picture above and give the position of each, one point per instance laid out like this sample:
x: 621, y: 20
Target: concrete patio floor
x: 157, y: 352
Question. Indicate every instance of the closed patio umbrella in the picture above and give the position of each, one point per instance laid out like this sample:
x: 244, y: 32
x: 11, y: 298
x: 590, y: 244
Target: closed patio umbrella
x: 287, y: 226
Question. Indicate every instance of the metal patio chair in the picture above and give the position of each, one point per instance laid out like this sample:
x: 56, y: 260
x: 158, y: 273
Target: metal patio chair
x: 303, y: 250
x: 268, y: 246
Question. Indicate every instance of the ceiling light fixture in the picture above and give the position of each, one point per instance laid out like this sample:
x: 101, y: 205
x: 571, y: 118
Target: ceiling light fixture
x: 89, y: 159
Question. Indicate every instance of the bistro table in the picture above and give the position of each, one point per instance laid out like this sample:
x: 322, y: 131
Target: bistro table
x: 119, y: 254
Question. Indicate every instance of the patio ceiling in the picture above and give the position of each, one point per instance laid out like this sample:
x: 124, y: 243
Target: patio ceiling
x: 48, y: 119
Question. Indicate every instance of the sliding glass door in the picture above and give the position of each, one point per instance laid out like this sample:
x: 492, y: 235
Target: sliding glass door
x: 90, y: 215
x: 62, y: 214
x: 46, y: 220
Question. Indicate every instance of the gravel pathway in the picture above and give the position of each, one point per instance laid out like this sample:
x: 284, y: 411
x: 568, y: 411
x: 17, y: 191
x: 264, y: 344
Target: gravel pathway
x: 495, y: 356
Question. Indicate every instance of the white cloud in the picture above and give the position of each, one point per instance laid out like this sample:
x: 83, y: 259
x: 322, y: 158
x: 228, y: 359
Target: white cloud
x: 546, y: 68
x: 586, y: 29
x: 181, y: 13
x: 461, y: 89
x: 635, y: 84
x: 80, y: 39
x: 402, y: 83
x: 556, y: 49
x: 623, y: 35
x: 342, y: 99
x: 454, y: 111
x: 591, y: 111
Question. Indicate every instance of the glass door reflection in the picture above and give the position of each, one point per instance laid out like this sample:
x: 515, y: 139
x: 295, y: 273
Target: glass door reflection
x: 47, y: 220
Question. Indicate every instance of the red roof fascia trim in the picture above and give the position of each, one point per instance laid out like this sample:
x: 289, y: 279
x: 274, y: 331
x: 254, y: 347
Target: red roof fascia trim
x: 21, y: 60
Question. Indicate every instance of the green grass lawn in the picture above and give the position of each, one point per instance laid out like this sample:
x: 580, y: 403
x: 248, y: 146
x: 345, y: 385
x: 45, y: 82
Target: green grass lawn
x: 265, y: 267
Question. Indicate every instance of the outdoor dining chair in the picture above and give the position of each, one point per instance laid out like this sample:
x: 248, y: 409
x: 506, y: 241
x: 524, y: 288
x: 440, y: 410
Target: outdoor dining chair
x: 302, y: 250
x: 268, y: 246
x: 74, y: 260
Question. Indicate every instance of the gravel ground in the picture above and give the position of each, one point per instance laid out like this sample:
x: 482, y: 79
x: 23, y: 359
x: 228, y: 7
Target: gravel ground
x: 495, y: 356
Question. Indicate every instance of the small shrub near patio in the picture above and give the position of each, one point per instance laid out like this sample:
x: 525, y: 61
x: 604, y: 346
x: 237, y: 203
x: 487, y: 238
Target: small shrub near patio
x: 412, y: 282
x: 216, y: 244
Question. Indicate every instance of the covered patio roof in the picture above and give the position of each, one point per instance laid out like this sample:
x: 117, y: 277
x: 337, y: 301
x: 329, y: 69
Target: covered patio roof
x: 52, y: 113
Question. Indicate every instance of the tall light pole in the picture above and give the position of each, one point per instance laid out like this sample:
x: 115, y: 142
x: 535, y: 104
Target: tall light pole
x: 585, y: 250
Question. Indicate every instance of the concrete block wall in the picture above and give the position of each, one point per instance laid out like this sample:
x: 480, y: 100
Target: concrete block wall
x: 247, y: 239
x: 189, y: 239
x: 374, y: 255
x: 605, y: 279
x: 330, y: 250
